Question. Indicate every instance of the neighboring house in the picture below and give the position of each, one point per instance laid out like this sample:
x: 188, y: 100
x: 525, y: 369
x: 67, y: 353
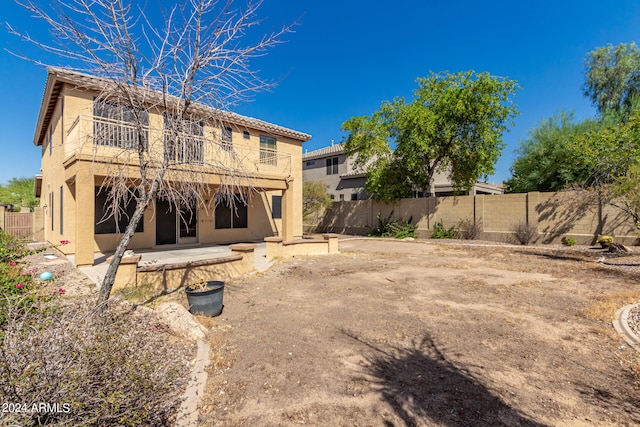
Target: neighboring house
x: 331, y: 166
x: 80, y: 146
x: 344, y: 182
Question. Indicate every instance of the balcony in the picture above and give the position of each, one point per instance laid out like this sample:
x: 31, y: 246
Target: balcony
x: 104, y: 137
x: 119, y: 134
x: 251, y: 159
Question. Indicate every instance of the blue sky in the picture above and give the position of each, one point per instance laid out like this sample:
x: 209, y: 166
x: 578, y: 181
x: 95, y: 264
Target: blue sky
x: 346, y: 57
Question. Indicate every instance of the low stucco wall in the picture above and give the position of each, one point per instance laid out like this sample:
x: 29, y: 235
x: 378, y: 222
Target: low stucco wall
x: 180, y: 274
x: 278, y: 248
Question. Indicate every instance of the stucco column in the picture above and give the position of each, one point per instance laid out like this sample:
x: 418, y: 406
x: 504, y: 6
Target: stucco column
x: 292, y: 209
x: 85, y: 212
x: 288, y: 214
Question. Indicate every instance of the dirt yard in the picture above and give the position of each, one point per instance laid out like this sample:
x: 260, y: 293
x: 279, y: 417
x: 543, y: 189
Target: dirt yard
x: 426, y: 333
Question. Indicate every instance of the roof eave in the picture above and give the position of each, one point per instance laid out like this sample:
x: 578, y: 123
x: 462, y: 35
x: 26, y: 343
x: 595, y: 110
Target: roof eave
x: 57, y: 77
x: 44, y: 107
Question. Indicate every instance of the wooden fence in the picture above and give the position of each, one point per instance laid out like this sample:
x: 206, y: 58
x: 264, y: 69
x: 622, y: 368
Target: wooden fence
x: 19, y: 224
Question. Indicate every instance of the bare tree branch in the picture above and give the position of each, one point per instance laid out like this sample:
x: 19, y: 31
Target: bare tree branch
x: 191, y: 68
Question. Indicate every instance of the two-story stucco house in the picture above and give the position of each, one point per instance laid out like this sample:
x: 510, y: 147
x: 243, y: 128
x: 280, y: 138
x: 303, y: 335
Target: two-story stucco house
x: 346, y: 182
x: 81, y: 143
x: 331, y: 166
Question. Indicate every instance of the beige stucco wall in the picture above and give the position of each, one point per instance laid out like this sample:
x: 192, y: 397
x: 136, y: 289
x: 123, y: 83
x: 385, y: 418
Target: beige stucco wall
x: 556, y: 215
x: 38, y: 224
x: 52, y: 179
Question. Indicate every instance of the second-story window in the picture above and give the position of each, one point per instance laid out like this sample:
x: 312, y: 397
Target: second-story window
x: 120, y: 126
x: 332, y: 166
x: 268, y: 150
x: 227, y: 138
x: 183, y: 139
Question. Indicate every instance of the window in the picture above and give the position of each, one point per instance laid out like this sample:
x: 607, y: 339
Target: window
x: 62, y: 120
x: 227, y: 138
x: 332, y: 166
x: 105, y: 220
x: 119, y: 126
x: 311, y: 163
x: 246, y: 134
x: 276, y: 207
x: 333, y: 196
x: 51, y: 203
x: 268, y: 150
x: 183, y: 139
x: 61, y: 206
x: 342, y: 197
x: 354, y: 196
x: 231, y: 216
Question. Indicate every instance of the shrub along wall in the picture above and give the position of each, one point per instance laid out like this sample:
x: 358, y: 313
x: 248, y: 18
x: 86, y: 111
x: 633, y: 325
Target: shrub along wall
x: 556, y: 215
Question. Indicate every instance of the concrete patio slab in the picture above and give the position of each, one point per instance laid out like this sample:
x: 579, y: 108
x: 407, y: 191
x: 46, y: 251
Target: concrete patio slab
x: 173, y: 254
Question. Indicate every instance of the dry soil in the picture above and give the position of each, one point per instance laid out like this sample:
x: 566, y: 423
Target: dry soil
x: 391, y: 333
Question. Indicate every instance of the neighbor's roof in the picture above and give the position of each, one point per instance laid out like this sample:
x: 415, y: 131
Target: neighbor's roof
x: 360, y: 172
x: 323, y: 152
x: 57, y: 77
x: 333, y: 150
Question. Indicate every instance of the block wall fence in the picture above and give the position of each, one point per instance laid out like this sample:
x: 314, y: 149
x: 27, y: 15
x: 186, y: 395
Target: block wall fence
x: 556, y: 215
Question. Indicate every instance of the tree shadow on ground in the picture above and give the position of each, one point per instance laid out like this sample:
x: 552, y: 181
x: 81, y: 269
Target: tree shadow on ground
x: 562, y: 255
x: 612, y: 400
x: 420, y: 384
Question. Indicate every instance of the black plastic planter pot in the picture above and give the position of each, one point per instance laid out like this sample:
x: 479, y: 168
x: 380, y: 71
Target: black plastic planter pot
x: 209, y: 302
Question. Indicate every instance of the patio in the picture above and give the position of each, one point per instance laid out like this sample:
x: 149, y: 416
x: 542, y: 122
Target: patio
x: 173, y: 254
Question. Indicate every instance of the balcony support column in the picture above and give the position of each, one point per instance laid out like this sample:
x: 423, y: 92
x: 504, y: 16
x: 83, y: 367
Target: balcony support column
x: 292, y: 210
x: 85, y: 212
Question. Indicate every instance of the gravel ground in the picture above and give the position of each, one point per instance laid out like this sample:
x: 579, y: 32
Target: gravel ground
x: 629, y: 263
x: 633, y: 320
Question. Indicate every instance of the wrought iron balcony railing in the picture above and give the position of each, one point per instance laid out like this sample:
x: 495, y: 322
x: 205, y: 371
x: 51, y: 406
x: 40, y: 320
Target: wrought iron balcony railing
x: 182, y: 148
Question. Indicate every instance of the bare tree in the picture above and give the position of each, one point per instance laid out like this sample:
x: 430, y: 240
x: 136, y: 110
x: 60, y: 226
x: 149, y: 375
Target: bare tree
x: 192, y: 67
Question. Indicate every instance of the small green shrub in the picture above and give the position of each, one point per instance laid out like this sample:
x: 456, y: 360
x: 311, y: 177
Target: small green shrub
x: 390, y: 228
x: 439, y: 232
x: 382, y: 229
x: 403, y: 229
x: 17, y: 286
x: 570, y: 241
x: 605, y: 240
x: 12, y: 249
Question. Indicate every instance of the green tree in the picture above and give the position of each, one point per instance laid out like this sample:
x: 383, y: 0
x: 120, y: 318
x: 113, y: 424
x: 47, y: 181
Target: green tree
x: 454, y: 124
x: 612, y: 77
x: 609, y: 152
x: 19, y: 191
x: 314, y: 198
x: 625, y: 193
x: 612, y: 154
x: 545, y: 160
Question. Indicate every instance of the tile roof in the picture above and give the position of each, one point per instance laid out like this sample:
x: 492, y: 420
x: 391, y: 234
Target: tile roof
x: 358, y: 173
x: 56, y: 77
x: 323, y: 152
